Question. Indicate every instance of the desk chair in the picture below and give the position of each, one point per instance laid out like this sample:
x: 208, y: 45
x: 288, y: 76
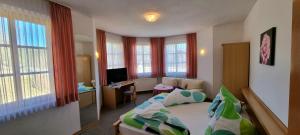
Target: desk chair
x: 131, y: 93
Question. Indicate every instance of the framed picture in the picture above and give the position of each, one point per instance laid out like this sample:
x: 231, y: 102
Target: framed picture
x: 267, y: 47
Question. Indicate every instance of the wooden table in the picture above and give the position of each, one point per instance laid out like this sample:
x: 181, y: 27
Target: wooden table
x: 162, y: 89
x: 113, y: 95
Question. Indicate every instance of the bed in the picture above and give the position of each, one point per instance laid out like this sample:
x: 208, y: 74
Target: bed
x: 196, y: 118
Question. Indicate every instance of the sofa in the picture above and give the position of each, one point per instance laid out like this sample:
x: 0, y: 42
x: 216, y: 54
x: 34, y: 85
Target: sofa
x: 183, y: 83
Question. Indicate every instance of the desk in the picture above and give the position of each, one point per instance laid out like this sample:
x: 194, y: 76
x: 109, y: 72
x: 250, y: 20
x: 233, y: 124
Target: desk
x: 112, y: 95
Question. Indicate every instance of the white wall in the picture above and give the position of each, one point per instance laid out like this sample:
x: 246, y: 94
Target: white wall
x: 40, y: 6
x: 271, y: 83
x: 57, y: 121
x: 82, y: 26
x: 205, y: 62
x: 224, y: 33
x: 144, y: 84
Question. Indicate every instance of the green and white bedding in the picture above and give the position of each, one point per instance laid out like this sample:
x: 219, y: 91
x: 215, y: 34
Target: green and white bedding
x: 227, y: 121
x: 154, y: 117
x: 223, y: 94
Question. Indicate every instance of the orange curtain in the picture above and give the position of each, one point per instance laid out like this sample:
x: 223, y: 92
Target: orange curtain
x: 63, y: 55
x: 157, y: 56
x: 162, y: 70
x: 102, y: 56
x: 130, y: 56
x: 192, y: 55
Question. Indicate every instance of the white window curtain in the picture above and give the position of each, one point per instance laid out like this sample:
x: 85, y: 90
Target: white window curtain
x: 115, y: 51
x: 143, y: 52
x: 26, y: 74
x: 175, y: 56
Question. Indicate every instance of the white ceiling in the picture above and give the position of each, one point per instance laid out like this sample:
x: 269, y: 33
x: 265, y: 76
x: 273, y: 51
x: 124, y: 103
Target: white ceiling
x: 125, y: 17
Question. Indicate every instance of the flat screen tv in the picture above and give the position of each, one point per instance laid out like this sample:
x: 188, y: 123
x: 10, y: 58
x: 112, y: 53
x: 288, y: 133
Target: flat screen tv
x: 116, y: 75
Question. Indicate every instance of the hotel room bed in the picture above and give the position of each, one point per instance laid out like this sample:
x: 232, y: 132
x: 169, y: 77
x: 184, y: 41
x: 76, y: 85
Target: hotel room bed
x: 196, y: 119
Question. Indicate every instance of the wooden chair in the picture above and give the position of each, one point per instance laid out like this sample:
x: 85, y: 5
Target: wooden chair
x: 131, y: 93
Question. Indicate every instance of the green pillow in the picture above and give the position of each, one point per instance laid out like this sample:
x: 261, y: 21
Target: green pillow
x: 223, y: 94
x: 226, y: 121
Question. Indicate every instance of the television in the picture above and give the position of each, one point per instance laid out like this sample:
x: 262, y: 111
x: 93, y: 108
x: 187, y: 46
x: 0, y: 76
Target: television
x: 116, y: 75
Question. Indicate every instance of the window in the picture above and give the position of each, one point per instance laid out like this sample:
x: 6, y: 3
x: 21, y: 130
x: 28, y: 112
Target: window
x: 143, y: 52
x: 26, y: 78
x: 115, y: 51
x: 175, y: 56
x: 7, y: 87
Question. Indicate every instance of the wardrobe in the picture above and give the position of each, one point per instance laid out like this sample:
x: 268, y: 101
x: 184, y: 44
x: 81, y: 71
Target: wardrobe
x: 236, y: 58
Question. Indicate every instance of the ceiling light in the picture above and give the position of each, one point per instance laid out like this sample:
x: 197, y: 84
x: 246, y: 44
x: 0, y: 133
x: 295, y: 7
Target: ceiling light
x: 151, y: 16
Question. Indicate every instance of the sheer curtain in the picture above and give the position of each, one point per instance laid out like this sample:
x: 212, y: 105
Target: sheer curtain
x: 26, y: 74
x: 143, y: 56
x: 176, y: 56
x: 115, y: 51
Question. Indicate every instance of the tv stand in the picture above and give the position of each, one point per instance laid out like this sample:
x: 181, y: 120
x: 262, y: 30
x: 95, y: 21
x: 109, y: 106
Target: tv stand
x: 112, y: 94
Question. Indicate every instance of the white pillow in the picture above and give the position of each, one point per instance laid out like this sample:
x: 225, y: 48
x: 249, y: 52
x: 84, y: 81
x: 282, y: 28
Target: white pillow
x: 179, y: 96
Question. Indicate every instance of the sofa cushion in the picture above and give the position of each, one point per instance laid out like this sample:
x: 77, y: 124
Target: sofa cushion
x: 192, y: 83
x: 181, y: 83
x: 170, y: 81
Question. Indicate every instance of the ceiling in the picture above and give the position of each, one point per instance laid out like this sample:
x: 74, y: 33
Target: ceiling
x: 125, y: 17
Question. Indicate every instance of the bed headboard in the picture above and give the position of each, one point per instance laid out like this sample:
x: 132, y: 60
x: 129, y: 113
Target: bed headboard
x: 263, y: 118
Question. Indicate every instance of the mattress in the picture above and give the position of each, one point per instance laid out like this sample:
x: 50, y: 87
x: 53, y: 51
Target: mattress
x: 194, y: 116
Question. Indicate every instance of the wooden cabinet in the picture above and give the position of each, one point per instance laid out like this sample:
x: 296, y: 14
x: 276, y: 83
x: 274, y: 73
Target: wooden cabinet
x: 236, y: 67
x: 87, y: 98
x: 83, y: 68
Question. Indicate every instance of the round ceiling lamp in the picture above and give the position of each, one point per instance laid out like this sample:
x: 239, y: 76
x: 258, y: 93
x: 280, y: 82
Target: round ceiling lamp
x: 151, y: 16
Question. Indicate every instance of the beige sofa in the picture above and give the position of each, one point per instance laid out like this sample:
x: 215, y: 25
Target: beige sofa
x: 189, y: 84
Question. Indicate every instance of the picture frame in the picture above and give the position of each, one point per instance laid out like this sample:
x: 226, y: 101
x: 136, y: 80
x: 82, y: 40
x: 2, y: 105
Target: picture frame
x: 267, y: 47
